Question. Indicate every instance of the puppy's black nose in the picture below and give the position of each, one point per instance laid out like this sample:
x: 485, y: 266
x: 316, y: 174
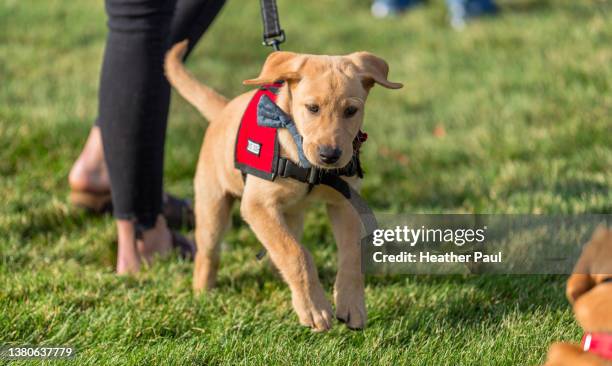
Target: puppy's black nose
x: 329, y: 154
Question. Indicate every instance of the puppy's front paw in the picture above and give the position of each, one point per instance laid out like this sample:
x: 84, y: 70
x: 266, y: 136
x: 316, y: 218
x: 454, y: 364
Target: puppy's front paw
x: 350, y: 306
x: 314, y: 310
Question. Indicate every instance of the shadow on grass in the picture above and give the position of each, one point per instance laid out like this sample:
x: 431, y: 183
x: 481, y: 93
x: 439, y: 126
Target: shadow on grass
x: 38, y: 231
x: 495, y: 298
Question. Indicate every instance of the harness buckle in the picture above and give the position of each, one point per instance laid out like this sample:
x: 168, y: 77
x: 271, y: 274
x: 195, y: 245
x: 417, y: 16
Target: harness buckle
x: 282, y: 170
x: 314, y: 175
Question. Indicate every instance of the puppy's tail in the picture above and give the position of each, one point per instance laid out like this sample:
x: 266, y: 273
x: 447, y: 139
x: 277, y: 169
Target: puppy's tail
x: 206, y: 100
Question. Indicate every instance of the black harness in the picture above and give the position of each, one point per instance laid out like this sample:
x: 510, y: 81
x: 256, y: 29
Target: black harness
x: 314, y: 176
x: 269, y: 116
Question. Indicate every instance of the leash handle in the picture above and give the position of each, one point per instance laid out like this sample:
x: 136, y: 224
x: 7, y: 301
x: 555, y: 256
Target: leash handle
x: 273, y: 34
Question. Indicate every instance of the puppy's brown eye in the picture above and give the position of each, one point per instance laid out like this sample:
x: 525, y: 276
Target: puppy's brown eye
x: 312, y: 108
x: 350, y: 111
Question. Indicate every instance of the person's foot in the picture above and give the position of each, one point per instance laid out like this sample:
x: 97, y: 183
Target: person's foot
x: 128, y: 260
x: 385, y: 8
x: 89, y: 172
x: 156, y: 241
x: 460, y: 11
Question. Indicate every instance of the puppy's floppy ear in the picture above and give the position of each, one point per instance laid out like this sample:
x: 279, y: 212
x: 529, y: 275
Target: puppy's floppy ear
x: 600, y: 233
x: 577, y: 285
x: 373, y: 69
x: 592, y: 266
x: 279, y: 65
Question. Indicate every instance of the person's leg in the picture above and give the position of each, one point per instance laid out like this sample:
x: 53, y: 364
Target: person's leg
x: 191, y: 19
x: 134, y: 100
x: 385, y: 8
x: 89, y: 172
x: 460, y: 11
x: 133, y: 107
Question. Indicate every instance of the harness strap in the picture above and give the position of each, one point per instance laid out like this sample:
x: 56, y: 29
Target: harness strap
x: 368, y: 220
x: 273, y: 34
x: 313, y: 175
x: 269, y: 114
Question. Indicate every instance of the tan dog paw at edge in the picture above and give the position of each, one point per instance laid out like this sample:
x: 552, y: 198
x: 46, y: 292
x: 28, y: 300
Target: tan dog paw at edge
x: 589, y: 290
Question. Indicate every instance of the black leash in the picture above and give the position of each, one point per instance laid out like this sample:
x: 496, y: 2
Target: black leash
x: 273, y: 34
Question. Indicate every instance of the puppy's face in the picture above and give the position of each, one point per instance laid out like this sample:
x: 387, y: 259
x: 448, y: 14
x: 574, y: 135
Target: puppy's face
x: 592, y: 299
x: 327, y: 97
x: 327, y: 107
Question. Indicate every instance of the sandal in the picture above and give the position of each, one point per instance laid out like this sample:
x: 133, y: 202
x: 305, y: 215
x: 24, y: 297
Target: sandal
x: 187, y: 249
x: 177, y: 212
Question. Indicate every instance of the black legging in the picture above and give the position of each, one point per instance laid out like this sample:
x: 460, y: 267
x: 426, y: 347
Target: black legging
x: 134, y: 95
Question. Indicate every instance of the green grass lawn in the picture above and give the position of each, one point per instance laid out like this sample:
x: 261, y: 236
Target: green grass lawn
x: 525, y: 103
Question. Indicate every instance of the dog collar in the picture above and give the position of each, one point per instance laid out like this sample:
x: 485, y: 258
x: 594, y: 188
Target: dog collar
x: 599, y: 344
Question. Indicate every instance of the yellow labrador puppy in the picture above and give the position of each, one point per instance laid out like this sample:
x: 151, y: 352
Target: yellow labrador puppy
x: 325, y: 97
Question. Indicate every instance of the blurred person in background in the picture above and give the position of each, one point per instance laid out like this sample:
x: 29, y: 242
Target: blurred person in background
x: 123, y: 156
x: 460, y: 11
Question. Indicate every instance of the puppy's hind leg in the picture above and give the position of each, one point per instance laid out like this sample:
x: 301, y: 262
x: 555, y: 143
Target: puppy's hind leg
x: 212, y: 211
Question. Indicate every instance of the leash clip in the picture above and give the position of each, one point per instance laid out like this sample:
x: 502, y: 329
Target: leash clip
x: 275, y: 41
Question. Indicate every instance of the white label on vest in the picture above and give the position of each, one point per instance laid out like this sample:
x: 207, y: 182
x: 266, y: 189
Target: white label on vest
x: 253, y: 147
